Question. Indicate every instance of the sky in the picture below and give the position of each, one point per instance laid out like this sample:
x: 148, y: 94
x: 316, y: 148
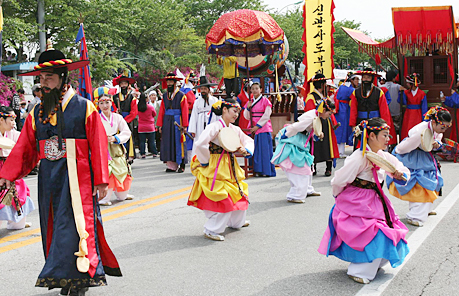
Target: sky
x: 375, y: 16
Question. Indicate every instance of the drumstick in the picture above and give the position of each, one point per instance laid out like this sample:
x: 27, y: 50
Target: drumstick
x: 184, y: 131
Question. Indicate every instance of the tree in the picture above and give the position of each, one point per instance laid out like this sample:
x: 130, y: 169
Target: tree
x: 202, y: 14
x: 291, y: 23
x: 345, y: 48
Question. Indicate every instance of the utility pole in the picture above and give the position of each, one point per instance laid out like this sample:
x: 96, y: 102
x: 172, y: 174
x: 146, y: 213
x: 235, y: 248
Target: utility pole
x: 41, y: 24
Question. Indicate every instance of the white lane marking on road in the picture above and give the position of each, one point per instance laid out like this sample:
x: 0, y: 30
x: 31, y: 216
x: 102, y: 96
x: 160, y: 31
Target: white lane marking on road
x: 382, y: 281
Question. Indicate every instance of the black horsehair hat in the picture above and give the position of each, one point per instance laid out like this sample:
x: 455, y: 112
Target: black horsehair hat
x: 54, y: 59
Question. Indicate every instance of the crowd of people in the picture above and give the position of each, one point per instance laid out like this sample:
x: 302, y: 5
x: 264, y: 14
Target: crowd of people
x: 85, y: 151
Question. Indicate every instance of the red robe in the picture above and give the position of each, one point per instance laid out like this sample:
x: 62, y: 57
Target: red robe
x: 416, y: 107
x: 384, y: 112
x: 83, y: 124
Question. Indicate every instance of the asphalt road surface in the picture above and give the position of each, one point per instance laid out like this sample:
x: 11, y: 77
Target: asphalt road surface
x: 160, y: 246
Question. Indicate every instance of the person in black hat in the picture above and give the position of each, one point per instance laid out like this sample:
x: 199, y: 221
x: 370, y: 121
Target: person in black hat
x: 201, y: 115
x: 174, y: 109
x: 126, y: 103
x: 368, y: 101
x: 327, y: 149
x: 65, y: 127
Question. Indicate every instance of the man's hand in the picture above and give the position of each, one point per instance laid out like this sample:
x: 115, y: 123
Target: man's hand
x: 452, y: 92
x: 160, y: 129
x: 321, y: 136
x: 102, y: 189
x: 398, y: 175
x: 254, y: 129
x: 436, y: 145
x: 5, y: 182
x: 402, y: 88
x: 194, y: 135
x: 249, y: 104
x: 111, y: 139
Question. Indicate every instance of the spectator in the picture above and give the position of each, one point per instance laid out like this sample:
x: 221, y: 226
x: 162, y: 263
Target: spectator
x: 36, y: 91
x: 147, y: 128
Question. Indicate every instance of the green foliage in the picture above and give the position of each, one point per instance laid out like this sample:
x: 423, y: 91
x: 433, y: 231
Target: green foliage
x: 346, y: 50
x: 105, y: 66
x: 202, y: 14
x: 150, y: 37
x: 291, y: 23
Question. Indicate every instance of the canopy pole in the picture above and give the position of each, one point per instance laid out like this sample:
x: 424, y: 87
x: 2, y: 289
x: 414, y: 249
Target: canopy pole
x: 248, y: 80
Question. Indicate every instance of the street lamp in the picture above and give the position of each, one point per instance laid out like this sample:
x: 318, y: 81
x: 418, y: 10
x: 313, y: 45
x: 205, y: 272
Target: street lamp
x: 296, y: 3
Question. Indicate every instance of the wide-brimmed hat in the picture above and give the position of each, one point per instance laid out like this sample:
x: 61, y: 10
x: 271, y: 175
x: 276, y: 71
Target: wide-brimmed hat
x: 319, y: 77
x: 368, y: 71
x: 117, y: 80
x: 203, y: 81
x: 53, y: 59
x: 169, y: 76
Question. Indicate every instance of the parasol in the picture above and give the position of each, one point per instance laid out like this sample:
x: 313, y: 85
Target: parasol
x: 245, y: 33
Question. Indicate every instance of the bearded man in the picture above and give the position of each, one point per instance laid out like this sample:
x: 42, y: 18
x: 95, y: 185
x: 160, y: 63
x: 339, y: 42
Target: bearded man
x: 174, y: 109
x: 65, y: 133
x: 201, y: 115
x: 126, y: 103
x: 368, y: 101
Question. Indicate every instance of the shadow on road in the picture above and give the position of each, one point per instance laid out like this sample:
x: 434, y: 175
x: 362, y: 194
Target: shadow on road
x: 161, y: 245
x: 333, y: 282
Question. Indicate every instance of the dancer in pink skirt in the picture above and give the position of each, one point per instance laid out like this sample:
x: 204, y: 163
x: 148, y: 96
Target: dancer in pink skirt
x: 363, y: 228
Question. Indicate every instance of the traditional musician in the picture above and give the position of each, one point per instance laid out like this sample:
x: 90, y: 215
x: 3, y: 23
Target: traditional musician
x: 126, y: 103
x: 201, y: 115
x: 66, y: 133
x: 174, y: 108
x: 118, y: 133
x: 453, y: 102
x: 14, y: 214
x: 426, y: 180
x: 363, y: 228
x: 261, y: 127
x: 343, y: 111
x: 293, y: 152
x: 219, y: 189
x: 415, y: 101
x: 327, y: 148
x: 368, y: 101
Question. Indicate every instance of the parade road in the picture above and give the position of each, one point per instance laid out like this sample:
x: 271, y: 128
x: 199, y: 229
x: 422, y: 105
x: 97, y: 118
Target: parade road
x: 159, y: 243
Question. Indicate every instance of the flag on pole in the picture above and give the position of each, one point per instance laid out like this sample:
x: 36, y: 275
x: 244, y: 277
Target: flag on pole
x: 84, y: 79
x: 318, y: 39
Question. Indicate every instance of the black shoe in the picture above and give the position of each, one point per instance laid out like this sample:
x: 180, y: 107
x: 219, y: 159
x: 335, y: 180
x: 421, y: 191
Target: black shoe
x: 181, y: 170
x: 130, y: 162
x: 64, y: 291
x: 170, y: 171
x: 78, y: 292
x: 327, y: 173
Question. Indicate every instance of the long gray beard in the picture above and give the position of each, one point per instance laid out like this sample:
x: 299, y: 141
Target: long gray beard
x: 50, y: 100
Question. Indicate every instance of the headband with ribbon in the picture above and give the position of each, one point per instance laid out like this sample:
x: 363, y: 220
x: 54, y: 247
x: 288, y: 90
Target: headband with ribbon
x: 364, y: 127
x: 433, y: 113
x: 323, y: 106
